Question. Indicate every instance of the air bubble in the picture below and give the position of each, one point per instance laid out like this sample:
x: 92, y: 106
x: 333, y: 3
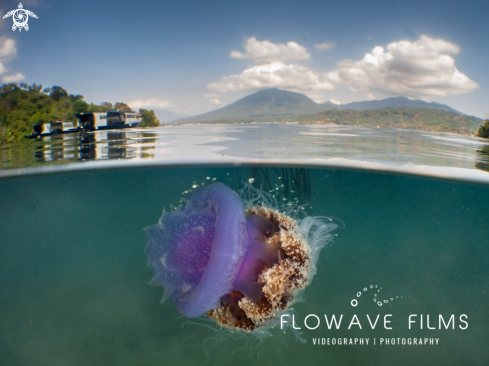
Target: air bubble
x: 379, y: 303
x: 359, y: 294
x: 354, y: 302
x: 385, y: 301
x: 195, y: 186
x: 364, y: 289
x: 251, y: 180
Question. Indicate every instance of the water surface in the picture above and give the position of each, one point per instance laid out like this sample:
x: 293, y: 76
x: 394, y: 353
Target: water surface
x: 402, y: 151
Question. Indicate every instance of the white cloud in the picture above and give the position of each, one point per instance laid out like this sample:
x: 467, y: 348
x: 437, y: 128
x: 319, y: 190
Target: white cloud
x: 418, y: 69
x: 215, y: 101
x: 414, y: 69
x: 15, y: 78
x: 150, y: 103
x: 324, y: 46
x: 334, y: 101
x: 274, y: 75
x: 266, y: 51
x: 8, y: 49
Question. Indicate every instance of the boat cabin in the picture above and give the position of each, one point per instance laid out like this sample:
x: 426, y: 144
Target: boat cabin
x: 46, y: 129
x: 92, y: 120
x: 108, y: 120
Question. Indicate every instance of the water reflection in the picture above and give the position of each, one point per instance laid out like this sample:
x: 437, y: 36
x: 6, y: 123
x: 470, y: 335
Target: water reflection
x: 87, y: 146
x: 108, y: 145
x: 55, y: 148
x: 357, y: 147
x: 78, y: 146
x: 482, y: 156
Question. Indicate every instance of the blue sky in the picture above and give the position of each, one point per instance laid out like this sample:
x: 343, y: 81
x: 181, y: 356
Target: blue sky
x: 195, y: 56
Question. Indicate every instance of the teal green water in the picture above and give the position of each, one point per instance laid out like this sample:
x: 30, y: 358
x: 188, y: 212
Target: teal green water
x: 74, y: 280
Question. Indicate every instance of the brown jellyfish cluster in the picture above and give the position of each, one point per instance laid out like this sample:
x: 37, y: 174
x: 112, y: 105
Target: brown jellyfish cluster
x: 280, y: 282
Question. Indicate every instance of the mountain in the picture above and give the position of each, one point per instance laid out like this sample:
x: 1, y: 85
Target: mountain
x: 395, y: 102
x: 264, y: 103
x: 273, y: 103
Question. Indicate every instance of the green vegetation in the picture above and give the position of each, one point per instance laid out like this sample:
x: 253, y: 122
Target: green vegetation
x: 149, y: 118
x: 22, y: 106
x: 404, y: 118
x: 483, y: 130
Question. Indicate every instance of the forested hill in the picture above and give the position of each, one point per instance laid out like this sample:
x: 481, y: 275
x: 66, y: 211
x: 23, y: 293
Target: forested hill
x: 22, y: 106
x: 404, y: 118
x: 276, y: 103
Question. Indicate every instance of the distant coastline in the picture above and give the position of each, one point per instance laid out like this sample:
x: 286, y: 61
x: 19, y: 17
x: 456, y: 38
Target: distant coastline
x: 23, y: 106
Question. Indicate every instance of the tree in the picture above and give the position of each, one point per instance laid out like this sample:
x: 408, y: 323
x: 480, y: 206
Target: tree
x: 79, y: 106
x: 57, y: 93
x: 149, y: 118
x: 122, y: 107
x: 106, y: 106
x: 484, y: 130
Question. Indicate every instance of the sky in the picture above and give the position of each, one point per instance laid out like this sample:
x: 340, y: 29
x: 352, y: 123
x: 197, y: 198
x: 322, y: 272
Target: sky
x: 191, y: 57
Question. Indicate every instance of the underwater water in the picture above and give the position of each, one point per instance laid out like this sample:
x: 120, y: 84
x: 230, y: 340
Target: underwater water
x: 74, y: 276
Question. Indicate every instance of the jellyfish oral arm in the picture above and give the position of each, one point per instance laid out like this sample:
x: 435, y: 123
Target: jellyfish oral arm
x: 260, y: 254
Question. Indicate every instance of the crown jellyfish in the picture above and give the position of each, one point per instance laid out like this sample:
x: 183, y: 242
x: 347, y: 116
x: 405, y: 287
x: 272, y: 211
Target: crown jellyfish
x: 237, y: 260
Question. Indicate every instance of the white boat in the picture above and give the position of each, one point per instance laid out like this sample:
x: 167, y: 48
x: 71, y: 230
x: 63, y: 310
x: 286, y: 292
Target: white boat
x: 47, y: 129
x: 108, y: 120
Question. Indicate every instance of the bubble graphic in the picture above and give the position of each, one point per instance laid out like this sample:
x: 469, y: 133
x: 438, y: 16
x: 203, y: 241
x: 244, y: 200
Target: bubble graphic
x: 376, y: 299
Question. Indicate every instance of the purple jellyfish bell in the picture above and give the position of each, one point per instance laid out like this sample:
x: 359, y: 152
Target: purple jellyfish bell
x: 197, y: 250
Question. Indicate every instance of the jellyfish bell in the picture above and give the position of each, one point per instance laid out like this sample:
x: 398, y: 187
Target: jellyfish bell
x: 240, y: 263
x: 197, y: 250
